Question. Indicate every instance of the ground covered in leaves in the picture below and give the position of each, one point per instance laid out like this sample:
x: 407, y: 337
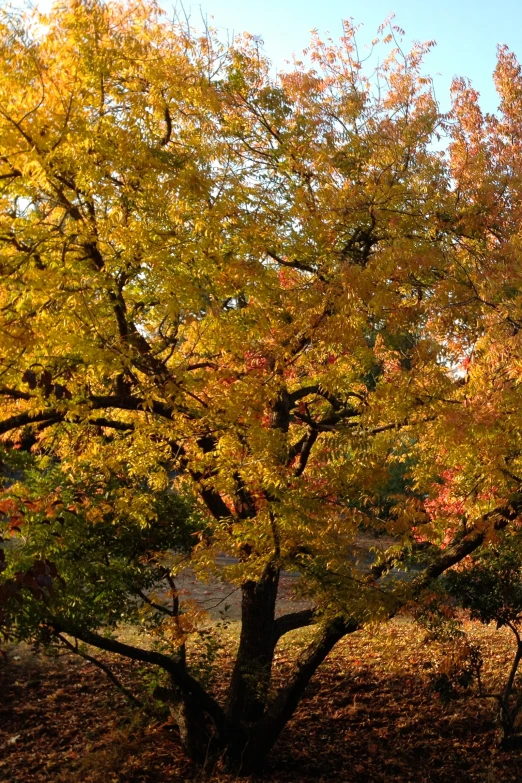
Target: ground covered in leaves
x: 369, y: 716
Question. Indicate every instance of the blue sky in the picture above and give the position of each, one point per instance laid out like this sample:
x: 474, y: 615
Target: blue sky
x: 467, y: 31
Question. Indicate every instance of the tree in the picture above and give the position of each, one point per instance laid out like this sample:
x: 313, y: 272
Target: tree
x: 80, y: 531
x: 489, y: 585
x: 241, y: 287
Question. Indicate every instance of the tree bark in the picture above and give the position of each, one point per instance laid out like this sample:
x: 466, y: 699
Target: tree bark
x: 283, y: 706
x: 252, y: 669
x: 202, y: 742
x: 190, y: 688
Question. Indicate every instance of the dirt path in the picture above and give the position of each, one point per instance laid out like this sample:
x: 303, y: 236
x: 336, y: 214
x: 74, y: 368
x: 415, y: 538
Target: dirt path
x: 222, y: 599
x: 216, y: 594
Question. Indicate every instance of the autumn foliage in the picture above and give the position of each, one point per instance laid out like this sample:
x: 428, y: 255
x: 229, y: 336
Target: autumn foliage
x: 271, y: 298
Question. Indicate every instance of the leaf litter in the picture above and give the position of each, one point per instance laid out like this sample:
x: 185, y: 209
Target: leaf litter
x: 369, y: 716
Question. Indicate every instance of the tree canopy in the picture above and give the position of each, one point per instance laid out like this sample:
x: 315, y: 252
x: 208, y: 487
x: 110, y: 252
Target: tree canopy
x: 272, y: 294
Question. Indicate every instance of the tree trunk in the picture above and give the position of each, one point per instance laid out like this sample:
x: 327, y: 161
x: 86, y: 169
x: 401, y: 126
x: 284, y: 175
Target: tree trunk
x: 243, y: 748
x: 507, y: 714
x: 198, y: 735
x: 252, y: 669
x: 282, y: 707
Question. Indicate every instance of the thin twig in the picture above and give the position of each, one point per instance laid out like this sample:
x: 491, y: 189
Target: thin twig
x: 110, y: 674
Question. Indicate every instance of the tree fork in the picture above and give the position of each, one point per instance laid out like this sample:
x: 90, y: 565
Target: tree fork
x: 282, y: 707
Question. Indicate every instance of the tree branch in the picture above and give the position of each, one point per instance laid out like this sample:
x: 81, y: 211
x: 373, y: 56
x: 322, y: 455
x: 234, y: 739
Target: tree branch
x: 110, y: 674
x: 14, y: 393
x: 283, y: 706
x: 293, y: 264
x: 292, y: 621
x: 131, y: 404
x: 114, y: 401
x: 306, y: 451
x: 467, y: 544
x: 180, y: 677
x: 158, y: 607
x: 305, y: 391
x: 111, y: 423
x: 168, y: 129
x: 30, y: 417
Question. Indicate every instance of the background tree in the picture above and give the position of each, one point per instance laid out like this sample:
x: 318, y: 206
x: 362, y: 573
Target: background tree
x: 489, y: 585
x: 81, y: 531
x: 243, y: 285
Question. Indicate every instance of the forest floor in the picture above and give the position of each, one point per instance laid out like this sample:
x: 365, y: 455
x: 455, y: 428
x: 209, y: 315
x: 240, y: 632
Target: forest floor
x: 369, y: 716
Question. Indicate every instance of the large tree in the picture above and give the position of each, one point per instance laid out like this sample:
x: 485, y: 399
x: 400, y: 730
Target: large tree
x: 239, y: 286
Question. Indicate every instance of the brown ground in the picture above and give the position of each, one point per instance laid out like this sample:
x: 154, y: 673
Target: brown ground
x: 221, y: 599
x: 368, y: 717
x: 216, y: 595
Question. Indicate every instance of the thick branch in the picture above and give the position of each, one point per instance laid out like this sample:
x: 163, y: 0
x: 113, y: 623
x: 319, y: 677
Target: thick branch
x: 458, y: 550
x: 15, y: 394
x: 114, y: 401
x: 213, y: 500
x: 449, y: 557
x: 296, y: 449
x: 283, y: 706
x: 305, y: 391
x: 180, y: 677
x: 295, y: 264
x: 293, y: 621
x: 168, y: 129
x: 131, y: 404
x: 111, y: 423
x: 30, y: 417
x: 306, y: 451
